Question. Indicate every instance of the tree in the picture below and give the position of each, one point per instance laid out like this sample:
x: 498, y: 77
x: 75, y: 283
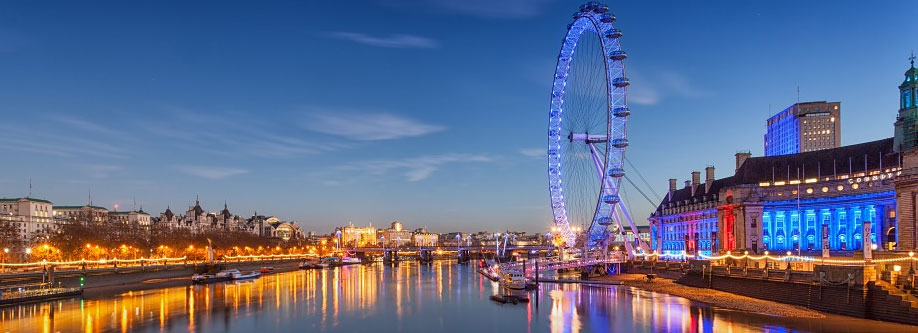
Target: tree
x: 9, y: 236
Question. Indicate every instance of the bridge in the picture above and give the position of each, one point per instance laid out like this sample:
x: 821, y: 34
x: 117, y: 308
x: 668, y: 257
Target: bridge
x: 448, y: 249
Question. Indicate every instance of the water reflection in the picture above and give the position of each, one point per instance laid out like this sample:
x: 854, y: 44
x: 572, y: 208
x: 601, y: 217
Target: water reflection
x: 410, y: 297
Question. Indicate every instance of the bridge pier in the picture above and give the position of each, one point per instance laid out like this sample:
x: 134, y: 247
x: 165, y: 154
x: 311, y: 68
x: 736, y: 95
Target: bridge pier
x: 463, y: 256
x: 390, y: 256
x: 425, y: 256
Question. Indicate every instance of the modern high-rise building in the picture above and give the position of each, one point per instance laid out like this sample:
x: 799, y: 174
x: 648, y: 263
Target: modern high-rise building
x: 804, y: 127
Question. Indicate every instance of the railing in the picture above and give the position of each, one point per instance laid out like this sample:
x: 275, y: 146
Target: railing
x: 103, y: 265
x: 530, y: 266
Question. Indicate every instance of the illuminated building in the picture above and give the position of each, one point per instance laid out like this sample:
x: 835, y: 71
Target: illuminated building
x: 86, y: 213
x: 906, y: 142
x: 421, y: 237
x: 783, y: 203
x: 395, y: 235
x: 32, y: 217
x: 795, y: 201
x: 358, y: 236
x: 133, y: 217
x: 804, y: 127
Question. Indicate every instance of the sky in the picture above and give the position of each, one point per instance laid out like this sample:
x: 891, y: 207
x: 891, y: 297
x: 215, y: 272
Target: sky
x: 430, y: 112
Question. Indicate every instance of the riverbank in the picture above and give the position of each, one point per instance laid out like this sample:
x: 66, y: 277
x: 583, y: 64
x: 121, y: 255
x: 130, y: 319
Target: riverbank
x: 713, y: 297
x: 176, y: 279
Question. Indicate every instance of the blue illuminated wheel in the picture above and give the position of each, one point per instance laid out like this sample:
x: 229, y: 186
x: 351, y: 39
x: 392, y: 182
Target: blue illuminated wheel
x: 586, y: 126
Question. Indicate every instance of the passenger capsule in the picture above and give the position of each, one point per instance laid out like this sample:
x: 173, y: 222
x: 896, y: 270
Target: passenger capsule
x: 621, y: 82
x: 604, y: 221
x: 617, y: 172
x: 621, y: 112
x: 610, y: 199
x: 607, y: 18
x: 613, y: 33
x: 618, y: 55
x: 619, y: 143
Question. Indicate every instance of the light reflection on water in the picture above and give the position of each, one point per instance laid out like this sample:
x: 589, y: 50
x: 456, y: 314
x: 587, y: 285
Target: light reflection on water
x: 443, y: 297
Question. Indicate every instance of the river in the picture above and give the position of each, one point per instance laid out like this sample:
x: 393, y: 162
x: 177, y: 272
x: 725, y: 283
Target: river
x: 411, y: 297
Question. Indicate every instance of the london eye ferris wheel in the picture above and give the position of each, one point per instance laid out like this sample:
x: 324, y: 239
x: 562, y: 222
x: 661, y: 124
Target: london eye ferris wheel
x: 587, y: 128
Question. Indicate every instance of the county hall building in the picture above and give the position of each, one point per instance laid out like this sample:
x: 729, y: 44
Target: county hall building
x: 799, y: 201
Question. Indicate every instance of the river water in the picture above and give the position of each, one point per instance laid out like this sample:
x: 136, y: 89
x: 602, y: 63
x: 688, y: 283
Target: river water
x: 411, y: 297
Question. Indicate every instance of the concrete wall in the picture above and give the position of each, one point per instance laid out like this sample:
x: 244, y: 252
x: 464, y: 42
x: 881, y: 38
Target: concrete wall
x: 859, y: 301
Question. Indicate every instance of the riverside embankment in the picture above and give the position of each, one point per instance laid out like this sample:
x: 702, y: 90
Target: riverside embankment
x: 110, y: 280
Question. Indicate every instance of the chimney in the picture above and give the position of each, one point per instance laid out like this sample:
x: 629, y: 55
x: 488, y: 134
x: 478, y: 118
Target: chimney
x: 708, y: 178
x: 741, y: 158
x: 672, y: 187
x: 688, y: 183
x: 696, y: 179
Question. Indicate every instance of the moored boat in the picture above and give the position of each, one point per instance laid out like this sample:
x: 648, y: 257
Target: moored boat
x: 237, y: 275
x: 510, y: 299
x: 514, y: 280
x: 220, y: 276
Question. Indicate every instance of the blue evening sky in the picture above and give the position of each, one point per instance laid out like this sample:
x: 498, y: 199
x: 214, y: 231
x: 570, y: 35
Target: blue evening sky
x: 432, y: 112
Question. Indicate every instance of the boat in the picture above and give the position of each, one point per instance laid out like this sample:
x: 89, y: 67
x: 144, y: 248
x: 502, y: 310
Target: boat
x: 514, y: 280
x: 220, y: 276
x: 247, y: 275
x: 330, y: 262
x: 266, y: 270
x: 36, y: 292
x: 307, y: 264
x: 489, y: 269
x: 489, y: 274
x: 503, y: 299
x: 350, y: 260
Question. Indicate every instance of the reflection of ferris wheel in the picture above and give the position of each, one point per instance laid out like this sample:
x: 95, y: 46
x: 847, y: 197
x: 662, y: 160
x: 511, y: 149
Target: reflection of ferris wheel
x: 586, y: 128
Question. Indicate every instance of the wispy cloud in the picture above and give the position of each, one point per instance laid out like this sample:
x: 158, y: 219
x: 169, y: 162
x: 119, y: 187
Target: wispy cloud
x: 533, y: 152
x: 413, y: 169
x: 234, y: 134
x: 210, y: 172
x: 393, y: 41
x: 59, y: 142
x: 649, y: 89
x: 368, y: 126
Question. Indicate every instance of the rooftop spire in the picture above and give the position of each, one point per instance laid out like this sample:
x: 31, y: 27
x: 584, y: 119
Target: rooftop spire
x: 911, y: 59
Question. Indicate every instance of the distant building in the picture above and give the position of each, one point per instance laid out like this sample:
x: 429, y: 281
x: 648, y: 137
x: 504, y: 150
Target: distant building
x: 133, y: 217
x: 804, y: 127
x: 422, y: 238
x: 643, y: 235
x: 87, y: 214
x: 32, y: 217
x: 452, y: 238
x: 395, y: 235
x: 289, y: 230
